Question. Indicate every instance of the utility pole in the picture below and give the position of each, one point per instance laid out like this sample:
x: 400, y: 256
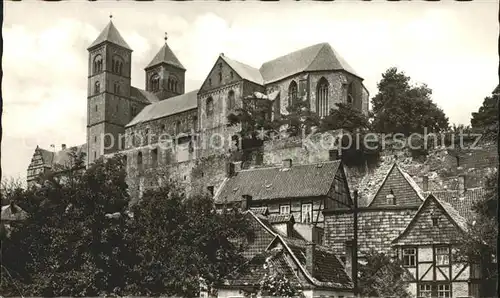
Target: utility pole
x: 355, y: 244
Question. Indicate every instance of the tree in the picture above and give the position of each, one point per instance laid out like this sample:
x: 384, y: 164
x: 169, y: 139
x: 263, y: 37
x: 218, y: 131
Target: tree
x: 382, y: 276
x: 181, y: 241
x: 345, y: 117
x: 299, y: 119
x: 485, y: 120
x: 400, y: 107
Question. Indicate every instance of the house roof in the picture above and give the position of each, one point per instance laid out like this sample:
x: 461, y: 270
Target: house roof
x: 61, y: 157
x: 448, y: 209
x: 260, y: 210
x: 165, y: 55
x: 143, y: 95
x: 110, y: 34
x: 407, y: 189
x: 167, y: 107
x: 309, y: 180
x: 313, y: 58
x: 496, y: 90
x: 12, y: 212
x: 328, y: 270
x: 245, y: 71
x: 462, y: 202
x: 279, y: 218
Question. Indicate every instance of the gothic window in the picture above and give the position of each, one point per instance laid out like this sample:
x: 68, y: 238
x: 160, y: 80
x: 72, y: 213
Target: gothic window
x: 172, y: 84
x: 139, y: 160
x: 350, y: 94
x: 210, y: 106
x: 97, y: 64
x: 97, y: 87
x: 230, y: 99
x: 322, y: 98
x: 292, y: 93
x: 155, y: 82
x: 117, y: 65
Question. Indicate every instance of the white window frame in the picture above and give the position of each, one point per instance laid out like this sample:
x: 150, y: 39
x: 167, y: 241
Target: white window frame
x: 306, y: 208
x: 411, y: 256
x: 441, y: 290
x: 442, y: 258
x: 284, y: 209
x: 427, y: 290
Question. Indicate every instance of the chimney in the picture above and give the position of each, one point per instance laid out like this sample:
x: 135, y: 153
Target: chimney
x: 310, y: 247
x: 63, y: 146
x: 230, y: 169
x: 425, y: 183
x: 246, y: 202
x: 461, y: 183
x: 287, y: 163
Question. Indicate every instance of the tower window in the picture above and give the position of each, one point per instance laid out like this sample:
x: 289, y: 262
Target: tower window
x: 117, y: 88
x: 97, y: 87
x: 172, y: 84
x: 322, y: 98
x: 97, y: 64
x: 210, y: 106
x: 350, y: 94
x: 117, y: 65
x: 230, y: 99
x: 292, y: 93
x: 155, y: 82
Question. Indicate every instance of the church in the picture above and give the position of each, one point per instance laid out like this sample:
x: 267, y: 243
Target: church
x: 130, y: 120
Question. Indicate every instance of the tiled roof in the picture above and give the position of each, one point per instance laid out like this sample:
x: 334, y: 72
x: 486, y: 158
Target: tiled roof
x: 254, y: 270
x: 246, y: 72
x: 165, y: 55
x: 260, y: 210
x: 170, y: 106
x: 454, y: 214
x: 328, y: 270
x: 61, y: 157
x: 463, y: 202
x: 313, y: 58
x: 277, y: 182
x: 405, y: 191
x: 143, y: 95
x: 279, y: 218
x: 110, y: 34
x: 12, y: 212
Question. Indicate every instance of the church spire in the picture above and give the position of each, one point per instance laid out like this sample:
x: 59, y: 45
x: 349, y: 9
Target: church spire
x: 110, y: 34
x: 165, y: 55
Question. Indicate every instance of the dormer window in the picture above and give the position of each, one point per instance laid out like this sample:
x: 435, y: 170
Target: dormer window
x: 391, y: 199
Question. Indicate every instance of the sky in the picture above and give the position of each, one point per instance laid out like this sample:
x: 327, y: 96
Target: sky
x: 450, y: 46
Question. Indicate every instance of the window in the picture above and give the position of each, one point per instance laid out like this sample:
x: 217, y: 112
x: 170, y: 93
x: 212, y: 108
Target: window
x: 302, y: 88
x: 350, y: 93
x: 154, y: 157
x: 117, y: 65
x: 210, y: 190
x: 292, y: 93
x: 210, y: 106
x: 117, y: 88
x: 146, y: 134
x: 97, y: 64
x: 391, y: 198
x: 442, y: 256
x: 435, y: 219
x: 444, y: 290
x: 230, y: 99
x: 133, y: 110
x: 97, y: 87
x: 139, y: 160
x: 96, y: 108
x: 307, y: 213
x: 155, y: 82
x: 232, y: 75
x: 285, y: 209
x: 209, y: 82
x: 409, y: 257
x: 322, y: 98
x: 95, y: 139
x: 95, y: 155
x: 220, y: 77
x: 172, y: 84
x: 333, y: 154
x: 424, y: 290
x: 177, y: 127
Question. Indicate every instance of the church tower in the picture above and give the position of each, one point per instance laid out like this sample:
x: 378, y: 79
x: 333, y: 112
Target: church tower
x: 108, y: 92
x: 165, y: 75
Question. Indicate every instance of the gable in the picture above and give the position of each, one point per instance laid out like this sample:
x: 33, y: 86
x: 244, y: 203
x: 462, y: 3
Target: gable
x: 339, y: 192
x: 422, y: 231
x: 404, y: 191
x: 220, y: 70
